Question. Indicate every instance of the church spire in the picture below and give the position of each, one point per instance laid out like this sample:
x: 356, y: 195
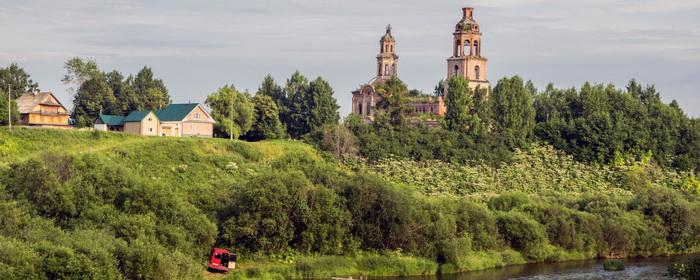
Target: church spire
x: 387, y: 58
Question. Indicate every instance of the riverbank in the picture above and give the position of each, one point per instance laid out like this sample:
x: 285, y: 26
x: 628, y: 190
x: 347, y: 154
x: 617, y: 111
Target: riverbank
x: 484, y: 265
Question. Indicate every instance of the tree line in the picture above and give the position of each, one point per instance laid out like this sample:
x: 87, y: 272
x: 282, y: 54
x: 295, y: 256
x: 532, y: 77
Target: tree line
x: 596, y: 123
x: 295, y: 110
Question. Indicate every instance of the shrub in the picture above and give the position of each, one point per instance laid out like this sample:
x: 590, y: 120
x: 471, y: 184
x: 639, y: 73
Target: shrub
x: 523, y: 234
x: 613, y: 265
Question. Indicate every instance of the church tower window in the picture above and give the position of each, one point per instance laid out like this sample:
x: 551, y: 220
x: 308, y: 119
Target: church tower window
x: 477, y: 73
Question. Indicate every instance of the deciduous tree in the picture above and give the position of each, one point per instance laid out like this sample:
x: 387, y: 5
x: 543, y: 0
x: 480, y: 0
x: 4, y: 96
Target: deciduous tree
x: 232, y: 110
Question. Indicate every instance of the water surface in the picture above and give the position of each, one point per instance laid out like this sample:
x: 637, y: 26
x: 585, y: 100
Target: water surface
x: 636, y: 269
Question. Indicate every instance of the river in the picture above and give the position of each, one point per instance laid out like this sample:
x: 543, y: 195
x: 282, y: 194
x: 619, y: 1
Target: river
x: 637, y: 269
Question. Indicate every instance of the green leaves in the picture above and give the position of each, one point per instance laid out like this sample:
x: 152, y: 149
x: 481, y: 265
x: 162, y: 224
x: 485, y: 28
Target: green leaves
x: 232, y: 110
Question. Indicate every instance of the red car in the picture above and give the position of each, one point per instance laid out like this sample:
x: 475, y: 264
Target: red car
x: 222, y: 260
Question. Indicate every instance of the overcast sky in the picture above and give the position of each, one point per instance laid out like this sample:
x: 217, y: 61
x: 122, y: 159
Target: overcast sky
x: 198, y: 46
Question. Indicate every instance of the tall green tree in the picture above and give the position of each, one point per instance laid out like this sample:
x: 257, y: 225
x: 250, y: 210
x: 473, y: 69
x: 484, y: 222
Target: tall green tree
x: 78, y: 71
x: 123, y: 92
x: 92, y: 98
x: 394, y: 102
x: 460, y: 104
x: 17, y: 79
x: 151, y: 90
x: 267, y: 124
x: 512, y: 111
x: 232, y: 110
x: 297, y: 113
x: 270, y: 88
x: 322, y: 105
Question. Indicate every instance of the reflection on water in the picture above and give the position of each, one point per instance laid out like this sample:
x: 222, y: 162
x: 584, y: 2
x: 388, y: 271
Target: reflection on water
x: 643, y: 269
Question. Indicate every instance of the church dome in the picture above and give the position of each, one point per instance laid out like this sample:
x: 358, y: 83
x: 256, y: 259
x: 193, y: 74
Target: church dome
x: 467, y: 24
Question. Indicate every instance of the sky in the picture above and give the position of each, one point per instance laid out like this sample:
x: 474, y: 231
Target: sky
x: 199, y: 46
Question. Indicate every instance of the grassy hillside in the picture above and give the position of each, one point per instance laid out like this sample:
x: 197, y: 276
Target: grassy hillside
x: 110, y: 206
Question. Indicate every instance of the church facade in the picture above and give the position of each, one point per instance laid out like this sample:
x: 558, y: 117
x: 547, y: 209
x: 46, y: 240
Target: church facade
x: 466, y: 60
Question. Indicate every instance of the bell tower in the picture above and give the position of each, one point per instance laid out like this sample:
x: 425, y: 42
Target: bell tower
x: 466, y: 59
x: 387, y: 58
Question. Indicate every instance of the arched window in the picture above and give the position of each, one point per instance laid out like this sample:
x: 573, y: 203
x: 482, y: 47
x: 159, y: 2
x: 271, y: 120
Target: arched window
x: 359, y: 108
x: 386, y: 69
x: 456, y: 69
x: 393, y: 69
x: 477, y: 73
x: 458, y: 48
x: 369, y: 108
x: 476, y: 48
x: 467, y: 48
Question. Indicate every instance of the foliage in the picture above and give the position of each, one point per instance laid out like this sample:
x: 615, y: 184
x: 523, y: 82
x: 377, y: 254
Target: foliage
x: 109, y: 92
x: 17, y: 80
x: 613, y: 265
x: 123, y: 207
x: 512, y: 111
x: 460, y: 108
x: 232, y: 110
x: 94, y: 97
x: 393, y: 104
x: 78, y: 71
x: 3, y: 109
x: 336, y: 139
x: 151, y: 91
x: 266, y: 124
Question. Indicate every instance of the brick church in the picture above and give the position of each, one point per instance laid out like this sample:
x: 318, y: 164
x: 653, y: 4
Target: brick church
x: 466, y: 60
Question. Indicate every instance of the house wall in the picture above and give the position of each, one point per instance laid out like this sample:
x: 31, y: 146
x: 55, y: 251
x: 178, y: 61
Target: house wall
x: 44, y: 120
x: 150, y: 125
x: 133, y: 128
x: 173, y: 129
x: 201, y: 129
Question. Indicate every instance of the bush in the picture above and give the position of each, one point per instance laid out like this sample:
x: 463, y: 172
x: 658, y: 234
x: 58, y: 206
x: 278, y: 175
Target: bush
x: 613, y: 265
x: 523, y: 234
x: 508, y: 201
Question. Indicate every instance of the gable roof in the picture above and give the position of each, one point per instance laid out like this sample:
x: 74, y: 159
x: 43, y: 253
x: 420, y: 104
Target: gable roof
x: 176, y: 112
x: 111, y: 119
x: 26, y: 102
x: 136, y: 116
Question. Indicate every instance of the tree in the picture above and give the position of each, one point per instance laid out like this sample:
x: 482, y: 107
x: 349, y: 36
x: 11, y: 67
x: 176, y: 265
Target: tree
x: 17, y: 79
x: 150, y: 90
x: 93, y: 97
x: 3, y: 109
x: 78, y: 71
x: 512, y: 111
x: 270, y: 88
x: 232, y: 110
x: 267, y: 124
x: 323, y: 106
x: 394, y: 100
x: 338, y: 140
x: 124, y: 92
x: 459, y: 103
x: 296, y: 114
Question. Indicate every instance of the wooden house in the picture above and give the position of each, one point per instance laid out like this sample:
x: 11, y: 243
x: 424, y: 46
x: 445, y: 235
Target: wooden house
x: 42, y: 109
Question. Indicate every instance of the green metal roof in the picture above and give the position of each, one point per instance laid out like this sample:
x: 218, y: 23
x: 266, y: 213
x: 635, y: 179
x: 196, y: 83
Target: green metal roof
x: 112, y: 119
x: 175, y: 112
x: 136, y: 116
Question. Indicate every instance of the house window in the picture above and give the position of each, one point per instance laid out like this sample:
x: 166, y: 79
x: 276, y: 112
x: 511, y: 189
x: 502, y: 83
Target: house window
x: 149, y: 119
x: 196, y: 115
